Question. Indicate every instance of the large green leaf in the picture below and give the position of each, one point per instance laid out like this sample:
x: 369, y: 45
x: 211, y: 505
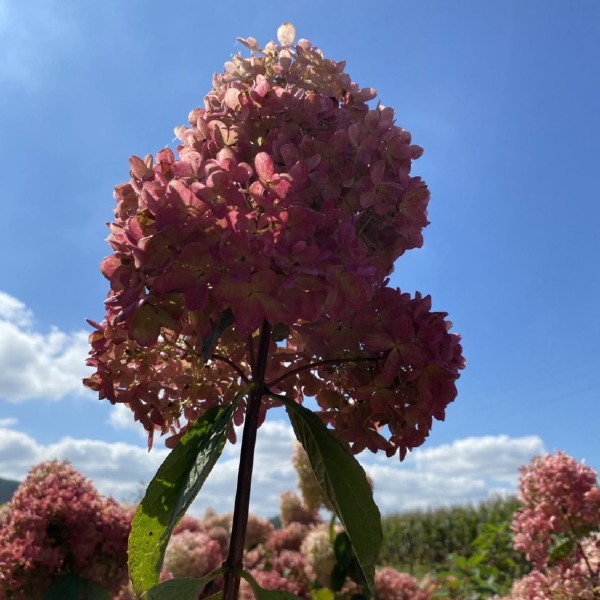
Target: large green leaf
x: 345, y: 484
x: 74, y: 588
x: 174, y: 487
x: 561, y: 548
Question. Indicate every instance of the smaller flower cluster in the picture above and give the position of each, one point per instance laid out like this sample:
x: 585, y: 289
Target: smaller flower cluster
x: 309, y: 487
x: 58, y: 524
x: 394, y: 585
x: 559, y: 497
x: 396, y: 370
x: 558, y: 528
x: 556, y: 583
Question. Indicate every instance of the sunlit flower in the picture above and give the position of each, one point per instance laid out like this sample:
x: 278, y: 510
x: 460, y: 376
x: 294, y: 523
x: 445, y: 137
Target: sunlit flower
x: 558, y: 496
x: 320, y: 557
x: 192, y: 554
x: 288, y: 201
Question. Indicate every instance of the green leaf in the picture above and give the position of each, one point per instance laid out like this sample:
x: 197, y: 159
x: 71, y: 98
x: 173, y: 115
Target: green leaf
x: 338, y: 578
x: 174, y: 487
x: 562, y: 547
x: 262, y: 594
x: 345, y: 484
x: 343, y: 550
x: 74, y: 588
x: 182, y: 589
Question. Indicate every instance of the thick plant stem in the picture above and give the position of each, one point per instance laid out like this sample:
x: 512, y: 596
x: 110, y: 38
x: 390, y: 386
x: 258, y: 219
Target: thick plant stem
x: 233, y: 563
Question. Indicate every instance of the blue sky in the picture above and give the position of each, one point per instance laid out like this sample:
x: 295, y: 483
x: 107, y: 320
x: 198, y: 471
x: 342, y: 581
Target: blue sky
x: 503, y: 97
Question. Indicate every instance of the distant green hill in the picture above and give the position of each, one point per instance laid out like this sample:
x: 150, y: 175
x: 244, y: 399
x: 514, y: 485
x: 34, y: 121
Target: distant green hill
x: 7, y: 489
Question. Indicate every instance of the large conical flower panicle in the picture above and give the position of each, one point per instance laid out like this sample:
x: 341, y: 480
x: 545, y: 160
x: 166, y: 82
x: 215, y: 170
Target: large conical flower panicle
x: 288, y: 201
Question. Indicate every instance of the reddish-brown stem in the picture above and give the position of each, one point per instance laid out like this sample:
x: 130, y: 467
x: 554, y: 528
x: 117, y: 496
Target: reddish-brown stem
x: 233, y: 563
x: 320, y: 363
x: 235, y: 367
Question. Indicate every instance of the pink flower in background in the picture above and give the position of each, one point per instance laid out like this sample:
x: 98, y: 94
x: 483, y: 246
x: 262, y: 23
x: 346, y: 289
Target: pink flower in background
x: 558, y: 583
x: 58, y: 525
x: 273, y: 580
x: 559, y: 496
x: 317, y: 549
x: 293, y: 510
x: 394, y: 585
x: 192, y: 554
x: 288, y: 538
x: 558, y: 530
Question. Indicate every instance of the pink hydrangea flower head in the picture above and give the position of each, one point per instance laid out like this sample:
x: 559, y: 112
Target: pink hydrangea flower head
x: 288, y: 201
x: 319, y: 554
x: 558, y: 496
x: 273, y: 580
x: 557, y: 583
x: 289, y: 537
x: 395, y: 585
x: 288, y: 564
x: 257, y: 531
x: 188, y: 523
x: 293, y: 510
x: 192, y: 554
x: 312, y: 495
x: 58, y: 525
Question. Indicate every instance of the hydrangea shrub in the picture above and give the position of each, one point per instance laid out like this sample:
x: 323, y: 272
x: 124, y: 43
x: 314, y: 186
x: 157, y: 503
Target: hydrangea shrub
x: 251, y: 268
x: 58, y: 525
x: 289, y: 200
x: 558, y: 529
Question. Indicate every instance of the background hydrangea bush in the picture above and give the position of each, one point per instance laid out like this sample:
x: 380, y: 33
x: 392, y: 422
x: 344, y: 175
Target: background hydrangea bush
x: 57, y: 526
x: 558, y: 529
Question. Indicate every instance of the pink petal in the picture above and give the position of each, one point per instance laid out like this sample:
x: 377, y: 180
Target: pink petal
x: 264, y: 166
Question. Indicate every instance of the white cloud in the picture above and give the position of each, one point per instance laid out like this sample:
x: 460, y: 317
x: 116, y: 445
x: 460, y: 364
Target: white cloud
x: 122, y: 469
x: 467, y: 471
x: 32, y: 34
x: 14, y: 310
x: 121, y: 417
x: 492, y: 457
x: 35, y: 365
x: 115, y: 468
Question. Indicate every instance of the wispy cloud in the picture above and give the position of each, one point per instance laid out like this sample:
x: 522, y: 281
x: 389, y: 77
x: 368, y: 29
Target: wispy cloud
x: 51, y: 365
x: 466, y: 471
x: 36, y: 365
x: 492, y: 457
x: 120, y: 469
